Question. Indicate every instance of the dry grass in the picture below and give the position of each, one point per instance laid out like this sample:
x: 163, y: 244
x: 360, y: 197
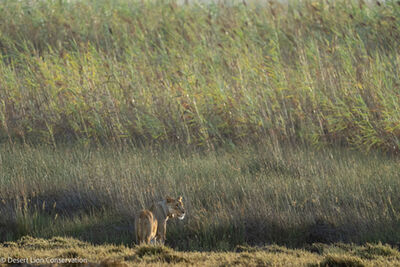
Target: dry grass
x: 111, y: 255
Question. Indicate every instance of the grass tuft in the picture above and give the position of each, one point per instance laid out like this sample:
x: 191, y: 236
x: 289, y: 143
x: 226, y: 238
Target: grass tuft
x: 372, y: 251
x: 341, y: 261
x: 159, y: 254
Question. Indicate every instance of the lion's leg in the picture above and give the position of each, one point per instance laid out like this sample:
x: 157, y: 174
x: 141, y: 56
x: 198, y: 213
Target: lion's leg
x: 161, y: 232
x: 158, y: 240
x: 164, y: 232
x: 149, y: 234
x: 139, y: 234
x: 148, y: 239
x: 154, y: 231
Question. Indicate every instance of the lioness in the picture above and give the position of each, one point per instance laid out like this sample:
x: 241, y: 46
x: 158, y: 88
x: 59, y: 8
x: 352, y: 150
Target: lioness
x: 151, y: 225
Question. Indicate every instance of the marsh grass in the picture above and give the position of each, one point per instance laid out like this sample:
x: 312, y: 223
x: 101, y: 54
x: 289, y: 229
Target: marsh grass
x: 247, y: 195
x: 320, y: 72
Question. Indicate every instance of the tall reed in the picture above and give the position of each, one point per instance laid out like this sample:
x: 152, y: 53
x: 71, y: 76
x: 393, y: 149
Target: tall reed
x: 320, y: 72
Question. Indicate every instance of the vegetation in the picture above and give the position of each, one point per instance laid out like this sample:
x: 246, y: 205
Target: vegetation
x: 247, y: 109
x: 320, y: 72
x: 243, y: 195
x: 112, y: 255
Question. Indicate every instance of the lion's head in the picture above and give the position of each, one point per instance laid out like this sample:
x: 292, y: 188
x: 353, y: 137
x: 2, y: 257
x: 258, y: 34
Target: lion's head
x: 175, y: 208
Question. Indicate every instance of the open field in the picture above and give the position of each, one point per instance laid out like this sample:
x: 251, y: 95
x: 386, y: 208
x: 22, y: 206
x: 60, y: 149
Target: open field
x: 255, y: 195
x: 320, y: 72
x: 56, y: 249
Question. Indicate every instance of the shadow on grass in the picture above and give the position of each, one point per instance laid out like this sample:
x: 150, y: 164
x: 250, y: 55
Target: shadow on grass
x: 90, y: 218
x: 87, y: 216
x: 109, y: 229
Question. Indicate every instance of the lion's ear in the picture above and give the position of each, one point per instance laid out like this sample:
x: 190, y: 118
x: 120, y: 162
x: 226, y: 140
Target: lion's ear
x: 180, y: 198
x: 169, y: 199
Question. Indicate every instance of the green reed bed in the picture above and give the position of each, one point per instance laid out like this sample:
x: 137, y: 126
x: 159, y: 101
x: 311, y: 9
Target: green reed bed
x: 320, y: 72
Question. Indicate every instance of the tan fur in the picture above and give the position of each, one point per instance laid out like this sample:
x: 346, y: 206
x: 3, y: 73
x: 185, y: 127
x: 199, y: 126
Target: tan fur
x: 151, y: 225
x: 146, y: 227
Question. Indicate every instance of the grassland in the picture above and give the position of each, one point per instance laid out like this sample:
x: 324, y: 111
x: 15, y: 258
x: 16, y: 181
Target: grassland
x: 266, y: 194
x: 320, y: 72
x: 277, y: 122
